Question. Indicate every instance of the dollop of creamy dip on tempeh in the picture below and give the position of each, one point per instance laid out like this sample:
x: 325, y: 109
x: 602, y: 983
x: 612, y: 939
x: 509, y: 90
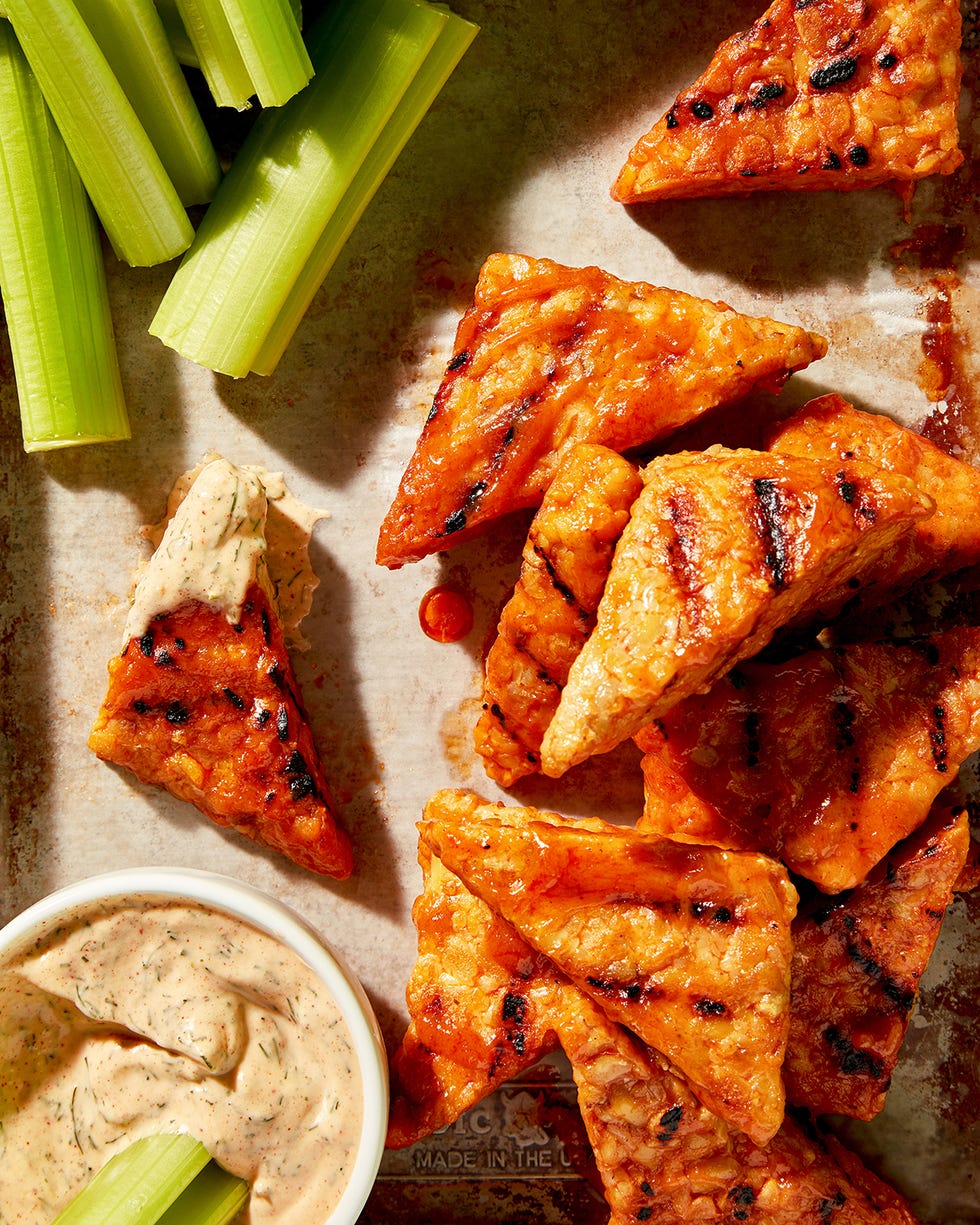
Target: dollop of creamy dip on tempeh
x: 145, y: 1016
x: 228, y: 526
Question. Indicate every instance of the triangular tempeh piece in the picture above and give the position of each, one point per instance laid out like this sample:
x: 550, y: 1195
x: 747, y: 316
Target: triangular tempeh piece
x: 546, y: 621
x: 478, y: 1003
x: 723, y: 548
x: 825, y: 761
x: 857, y: 964
x: 548, y: 356
x: 829, y: 430
x: 663, y: 1157
x: 209, y: 707
x: 687, y: 946
x: 816, y: 94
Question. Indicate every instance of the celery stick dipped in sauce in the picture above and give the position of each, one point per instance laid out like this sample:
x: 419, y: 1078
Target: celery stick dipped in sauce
x: 140, y: 1017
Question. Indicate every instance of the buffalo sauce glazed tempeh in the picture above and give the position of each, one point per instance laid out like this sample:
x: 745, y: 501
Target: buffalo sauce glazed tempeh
x: 203, y: 699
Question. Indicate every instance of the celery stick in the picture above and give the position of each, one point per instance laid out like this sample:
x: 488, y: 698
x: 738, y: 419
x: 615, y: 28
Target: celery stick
x: 131, y: 35
x: 215, y: 1197
x: 131, y: 191
x: 246, y: 48
x: 139, y: 1184
x: 52, y: 276
x: 290, y: 177
x: 218, y: 56
x: 179, y: 39
x: 271, y: 48
x: 454, y: 38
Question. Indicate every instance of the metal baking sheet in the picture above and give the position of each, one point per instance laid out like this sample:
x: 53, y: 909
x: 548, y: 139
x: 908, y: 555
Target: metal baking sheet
x: 517, y: 154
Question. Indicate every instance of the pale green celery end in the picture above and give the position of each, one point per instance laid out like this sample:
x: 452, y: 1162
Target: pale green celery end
x: 139, y: 1184
x: 131, y: 35
x: 136, y: 202
x: 218, y: 56
x: 271, y: 47
x: 454, y: 40
x: 52, y: 276
x: 215, y: 1197
x: 286, y: 182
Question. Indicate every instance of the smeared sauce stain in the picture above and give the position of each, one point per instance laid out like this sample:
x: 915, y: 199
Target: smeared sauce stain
x: 930, y: 259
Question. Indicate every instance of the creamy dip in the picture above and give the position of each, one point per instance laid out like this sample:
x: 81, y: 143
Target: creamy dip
x: 144, y: 1016
x: 226, y: 527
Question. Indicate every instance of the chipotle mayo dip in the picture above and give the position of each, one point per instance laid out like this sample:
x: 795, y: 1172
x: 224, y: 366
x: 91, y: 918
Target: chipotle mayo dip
x: 133, y: 1015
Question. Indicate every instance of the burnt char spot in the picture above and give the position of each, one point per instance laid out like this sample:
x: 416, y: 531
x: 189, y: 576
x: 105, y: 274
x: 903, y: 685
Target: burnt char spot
x: 275, y: 675
x: 888, y: 60
x: 858, y: 155
x: 282, y: 723
x: 177, y: 714
x: 769, y: 527
x: 263, y: 716
x: 302, y: 785
x: 829, y: 1206
x: 140, y: 707
x: 844, y: 717
x: 146, y: 644
x: 266, y: 627
x: 458, y: 360
x: 832, y: 161
x: 644, y: 1213
x: 851, y: 1060
x: 671, y: 119
x: 515, y: 1012
x: 837, y: 72
x: 163, y: 658
x: 457, y: 520
x: 710, y: 913
x: 670, y: 1120
x: 702, y: 110
x: 937, y: 739
x: 235, y: 699
x: 301, y: 782
x: 627, y: 993
x: 902, y: 998
x: 847, y: 489
x: 767, y: 93
x: 562, y: 588
x: 742, y: 1197
x: 710, y: 1008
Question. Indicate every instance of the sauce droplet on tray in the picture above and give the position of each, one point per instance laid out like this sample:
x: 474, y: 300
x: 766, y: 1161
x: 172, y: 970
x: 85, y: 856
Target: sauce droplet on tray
x: 446, y: 614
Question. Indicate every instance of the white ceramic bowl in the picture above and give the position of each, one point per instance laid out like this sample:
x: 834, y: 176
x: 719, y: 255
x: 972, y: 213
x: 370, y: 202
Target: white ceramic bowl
x: 245, y: 902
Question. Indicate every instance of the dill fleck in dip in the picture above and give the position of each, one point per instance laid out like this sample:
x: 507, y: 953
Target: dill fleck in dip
x: 140, y: 1016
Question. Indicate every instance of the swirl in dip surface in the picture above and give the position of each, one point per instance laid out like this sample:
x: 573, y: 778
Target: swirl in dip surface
x: 141, y: 1015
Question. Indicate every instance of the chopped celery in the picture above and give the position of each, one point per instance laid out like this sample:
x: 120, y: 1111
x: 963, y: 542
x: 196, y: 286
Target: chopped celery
x: 139, y: 1184
x: 271, y: 48
x: 246, y: 48
x: 132, y: 193
x: 210, y: 34
x: 179, y: 38
x: 132, y: 37
x: 215, y: 1197
x: 52, y: 276
x: 284, y: 209
x: 454, y: 38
